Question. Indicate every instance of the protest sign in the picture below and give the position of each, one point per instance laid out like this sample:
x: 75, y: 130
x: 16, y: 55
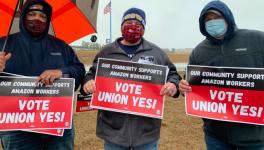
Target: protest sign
x: 84, y: 103
x: 226, y: 93
x: 55, y: 132
x: 129, y: 87
x: 27, y: 104
x: 6, y: 74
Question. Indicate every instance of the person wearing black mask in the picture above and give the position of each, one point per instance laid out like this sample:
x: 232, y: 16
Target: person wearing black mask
x: 33, y: 52
x: 115, y: 128
x: 35, y: 21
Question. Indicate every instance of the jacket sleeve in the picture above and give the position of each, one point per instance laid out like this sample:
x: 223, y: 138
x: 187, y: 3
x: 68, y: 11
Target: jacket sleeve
x: 74, y: 68
x: 2, y: 41
x: 90, y: 75
x: 192, y: 58
x: 173, y: 75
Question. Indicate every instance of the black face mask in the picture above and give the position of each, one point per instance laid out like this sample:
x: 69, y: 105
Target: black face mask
x: 35, y: 27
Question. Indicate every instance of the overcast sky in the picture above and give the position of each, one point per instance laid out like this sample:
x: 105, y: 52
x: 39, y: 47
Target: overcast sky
x: 174, y: 23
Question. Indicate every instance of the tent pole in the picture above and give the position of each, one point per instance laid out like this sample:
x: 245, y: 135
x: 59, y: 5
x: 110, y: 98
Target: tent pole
x: 4, y: 46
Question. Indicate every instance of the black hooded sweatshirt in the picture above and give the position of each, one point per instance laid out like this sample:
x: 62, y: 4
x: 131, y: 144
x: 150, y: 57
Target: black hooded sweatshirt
x: 239, y: 48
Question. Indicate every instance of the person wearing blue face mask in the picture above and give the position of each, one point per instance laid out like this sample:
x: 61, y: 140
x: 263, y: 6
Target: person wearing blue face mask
x: 215, y: 24
x: 226, y: 45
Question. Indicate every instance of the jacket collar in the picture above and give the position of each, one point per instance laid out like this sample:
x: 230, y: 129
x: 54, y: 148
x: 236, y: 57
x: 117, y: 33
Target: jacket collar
x: 115, y: 48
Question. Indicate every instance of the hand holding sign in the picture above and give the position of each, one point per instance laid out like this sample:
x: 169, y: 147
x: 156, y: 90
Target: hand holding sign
x: 41, y: 109
x: 221, y: 93
x: 89, y: 87
x: 48, y: 76
x: 3, y: 58
x: 168, y: 89
x: 184, y: 87
x: 131, y: 88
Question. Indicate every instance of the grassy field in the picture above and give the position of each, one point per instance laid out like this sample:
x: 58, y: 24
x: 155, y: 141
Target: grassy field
x: 87, y: 56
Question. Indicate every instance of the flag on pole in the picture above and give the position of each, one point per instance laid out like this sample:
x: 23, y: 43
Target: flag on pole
x: 107, y: 8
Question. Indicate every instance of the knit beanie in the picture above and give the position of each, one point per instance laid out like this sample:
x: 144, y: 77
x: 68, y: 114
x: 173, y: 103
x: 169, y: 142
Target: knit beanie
x: 47, y: 9
x: 135, y: 14
x: 215, y: 12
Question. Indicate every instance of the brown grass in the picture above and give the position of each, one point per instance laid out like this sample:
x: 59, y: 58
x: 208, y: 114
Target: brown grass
x: 87, y: 57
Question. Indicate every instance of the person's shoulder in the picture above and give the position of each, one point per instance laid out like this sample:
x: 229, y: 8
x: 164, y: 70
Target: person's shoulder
x: 249, y: 33
x: 57, y: 40
x: 150, y: 44
x: 108, y: 46
x: 112, y: 46
x: 202, y: 44
x: 11, y: 38
x: 106, y: 49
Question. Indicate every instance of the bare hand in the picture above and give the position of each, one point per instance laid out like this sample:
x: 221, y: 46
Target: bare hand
x: 168, y: 89
x: 48, y: 76
x: 3, y: 58
x: 184, y: 87
x: 89, y: 87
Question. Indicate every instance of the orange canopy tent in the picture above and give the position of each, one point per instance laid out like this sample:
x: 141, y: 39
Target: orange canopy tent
x: 68, y: 22
x: 7, y: 11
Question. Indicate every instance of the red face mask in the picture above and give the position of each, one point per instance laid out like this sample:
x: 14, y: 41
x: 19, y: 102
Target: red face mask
x: 132, y: 33
x: 35, y: 27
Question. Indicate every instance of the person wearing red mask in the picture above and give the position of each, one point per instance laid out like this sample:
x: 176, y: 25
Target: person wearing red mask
x: 33, y: 52
x: 124, y: 131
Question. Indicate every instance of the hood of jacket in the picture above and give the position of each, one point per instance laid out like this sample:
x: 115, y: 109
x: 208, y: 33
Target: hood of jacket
x: 226, y: 13
x: 47, y: 9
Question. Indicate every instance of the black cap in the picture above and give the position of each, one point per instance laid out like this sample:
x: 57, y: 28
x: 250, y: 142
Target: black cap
x: 47, y: 9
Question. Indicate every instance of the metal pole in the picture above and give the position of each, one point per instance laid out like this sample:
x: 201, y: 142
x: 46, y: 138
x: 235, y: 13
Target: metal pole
x: 110, y: 21
x: 4, y: 46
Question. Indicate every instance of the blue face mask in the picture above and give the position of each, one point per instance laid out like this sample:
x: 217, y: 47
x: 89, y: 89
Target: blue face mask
x: 216, y: 28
